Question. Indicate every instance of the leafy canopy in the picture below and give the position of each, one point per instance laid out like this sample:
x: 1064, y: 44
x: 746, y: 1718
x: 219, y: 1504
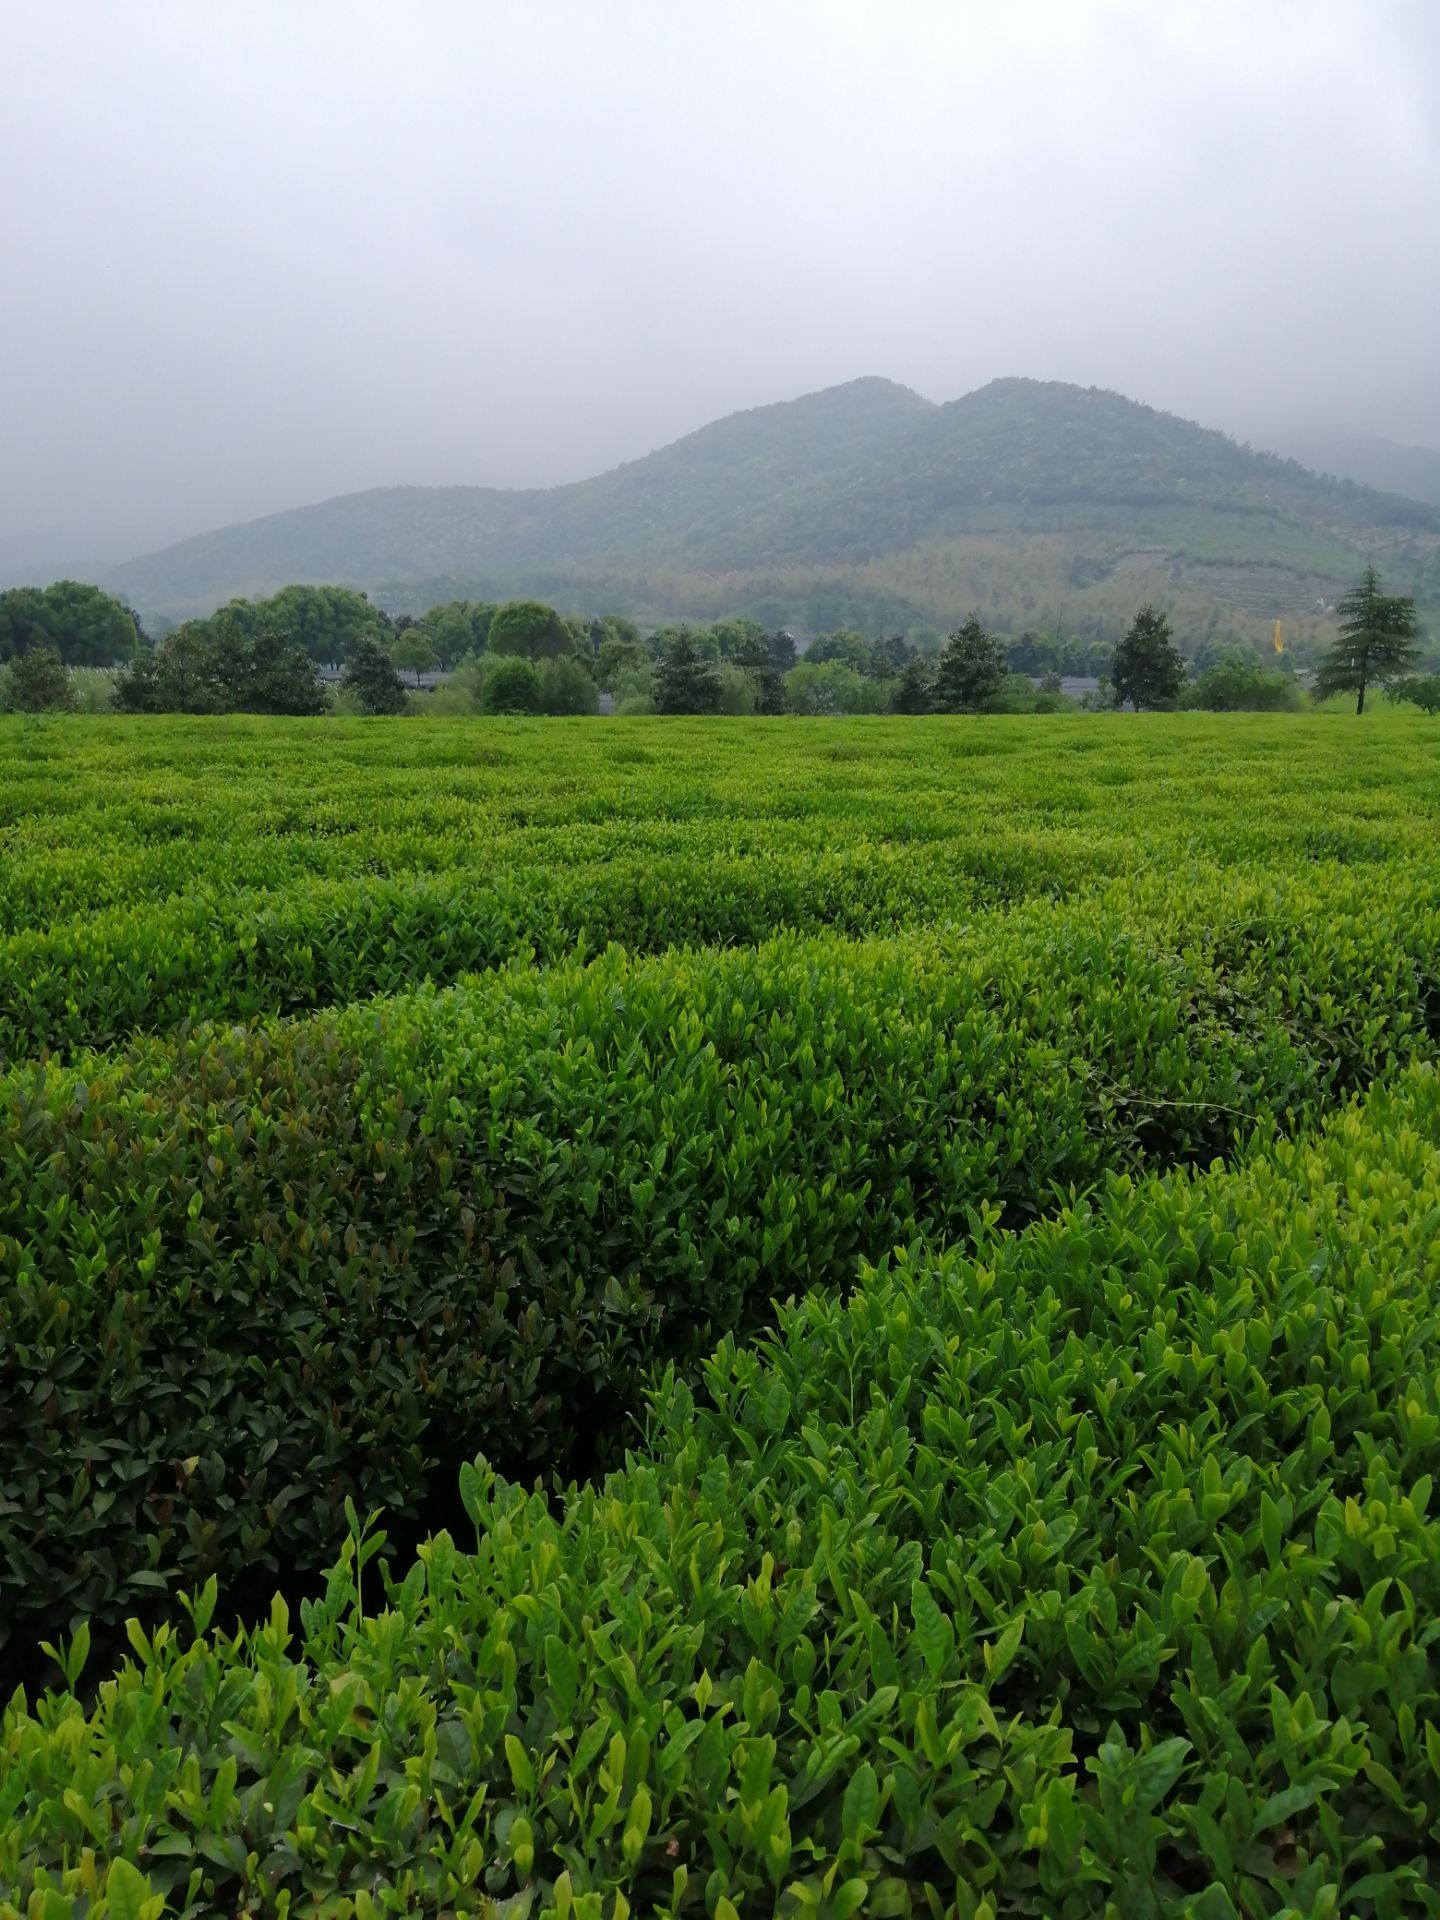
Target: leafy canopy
x: 512, y: 685
x: 531, y: 629
x: 371, y: 677
x: 972, y: 670
x: 685, y: 680
x: 1148, y: 669
x: 415, y: 651
x: 38, y: 681
x: 85, y: 626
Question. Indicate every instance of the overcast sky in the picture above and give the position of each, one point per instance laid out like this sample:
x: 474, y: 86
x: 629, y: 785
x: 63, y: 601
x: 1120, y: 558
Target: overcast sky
x: 257, y: 252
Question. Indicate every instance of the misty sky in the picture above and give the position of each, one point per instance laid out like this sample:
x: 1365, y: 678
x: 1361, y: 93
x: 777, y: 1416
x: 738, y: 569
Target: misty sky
x: 257, y: 252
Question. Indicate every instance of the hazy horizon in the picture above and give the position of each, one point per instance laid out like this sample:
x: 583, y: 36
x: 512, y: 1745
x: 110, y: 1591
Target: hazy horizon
x: 266, y: 255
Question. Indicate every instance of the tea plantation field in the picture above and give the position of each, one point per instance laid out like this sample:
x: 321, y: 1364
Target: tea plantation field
x: 690, y: 1318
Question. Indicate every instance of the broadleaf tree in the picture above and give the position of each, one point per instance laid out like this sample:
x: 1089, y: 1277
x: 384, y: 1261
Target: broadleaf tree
x: 972, y: 669
x: 38, y: 681
x: 531, y: 629
x: 415, y: 652
x: 371, y: 676
x: 685, y: 680
x: 1148, y: 669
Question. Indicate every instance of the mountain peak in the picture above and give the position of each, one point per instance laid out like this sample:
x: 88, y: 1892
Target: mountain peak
x: 860, y: 503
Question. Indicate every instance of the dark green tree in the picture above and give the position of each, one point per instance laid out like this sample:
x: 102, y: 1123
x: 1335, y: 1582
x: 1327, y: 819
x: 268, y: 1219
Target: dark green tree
x: 512, y: 685
x: 829, y: 686
x: 235, y: 621
x: 1420, y: 690
x: 328, y: 622
x: 531, y: 629
x: 565, y: 687
x: 135, y: 684
x: 1038, y: 653
x: 685, y: 681
x: 87, y: 627
x: 1237, y: 683
x: 458, y: 627
x: 782, y: 650
x: 181, y: 675
x: 617, y: 657
x: 38, y: 681
x: 189, y: 674
x: 752, y: 654
x: 614, y: 627
x: 894, y: 653
x: 266, y: 670
x: 371, y: 677
x: 972, y: 669
x: 701, y: 638
x: 1147, y: 670
x: 848, y: 648
x: 915, y: 689
x: 22, y: 620
x: 1377, y: 641
x: 734, y: 637
x: 415, y: 652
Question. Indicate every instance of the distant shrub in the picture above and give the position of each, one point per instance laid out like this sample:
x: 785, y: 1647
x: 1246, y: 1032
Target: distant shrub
x: 512, y: 685
x: 38, y: 681
x: 566, y: 687
x: 1237, y: 683
x: 832, y: 687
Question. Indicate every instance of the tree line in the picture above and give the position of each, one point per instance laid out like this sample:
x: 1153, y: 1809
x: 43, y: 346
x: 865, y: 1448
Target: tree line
x: 523, y: 656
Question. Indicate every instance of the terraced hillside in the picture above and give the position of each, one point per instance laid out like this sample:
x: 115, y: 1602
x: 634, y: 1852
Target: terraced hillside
x: 881, y: 1277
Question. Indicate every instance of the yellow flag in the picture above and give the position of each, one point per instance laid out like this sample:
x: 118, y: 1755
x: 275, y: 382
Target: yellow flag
x: 1279, y: 642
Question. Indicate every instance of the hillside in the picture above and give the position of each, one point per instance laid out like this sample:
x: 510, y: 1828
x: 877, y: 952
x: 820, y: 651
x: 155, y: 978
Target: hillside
x: 1033, y: 501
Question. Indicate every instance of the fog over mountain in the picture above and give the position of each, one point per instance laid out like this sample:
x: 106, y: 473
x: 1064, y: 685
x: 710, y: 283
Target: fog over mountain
x: 261, y: 254
x: 1037, y: 503
x: 1367, y: 457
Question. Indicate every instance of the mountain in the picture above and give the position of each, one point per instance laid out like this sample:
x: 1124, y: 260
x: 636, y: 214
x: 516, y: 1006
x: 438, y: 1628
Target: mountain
x: 1366, y: 457
x: 865, y: 504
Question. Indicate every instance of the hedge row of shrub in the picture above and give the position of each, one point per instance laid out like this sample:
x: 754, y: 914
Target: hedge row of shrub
x: 1094, y: 1572
x: 114, y: 815
x: 255, y: 1271
x: 91, y: 980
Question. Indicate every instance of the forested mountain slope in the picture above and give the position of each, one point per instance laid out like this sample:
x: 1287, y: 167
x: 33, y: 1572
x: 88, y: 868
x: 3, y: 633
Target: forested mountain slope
x: 1034, y: 501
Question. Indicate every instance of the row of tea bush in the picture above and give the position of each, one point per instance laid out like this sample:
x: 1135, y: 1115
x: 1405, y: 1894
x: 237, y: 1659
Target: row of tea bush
x: 1091, y: 1572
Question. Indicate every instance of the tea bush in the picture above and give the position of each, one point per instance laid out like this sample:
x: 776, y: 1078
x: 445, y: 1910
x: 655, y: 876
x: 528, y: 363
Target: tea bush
x: 1076, y: 1560
x: 254, y: 1272
x: 147, y: 808
x: 1091, y: 1572
x: 97, y: 978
